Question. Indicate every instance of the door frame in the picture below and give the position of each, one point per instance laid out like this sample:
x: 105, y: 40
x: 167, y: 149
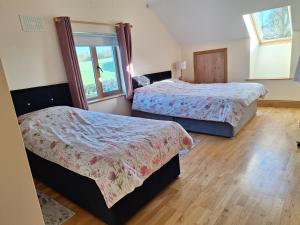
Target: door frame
x: 223, y: 50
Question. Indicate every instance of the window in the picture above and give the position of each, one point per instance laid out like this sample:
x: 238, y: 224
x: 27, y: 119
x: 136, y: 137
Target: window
x: 271, y: 34
x: 99, y: 65
x: 273, y: 24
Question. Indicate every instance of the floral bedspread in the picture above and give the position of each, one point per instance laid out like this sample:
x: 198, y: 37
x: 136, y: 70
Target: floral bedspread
x: 118, y: 152
x: 212, y: 102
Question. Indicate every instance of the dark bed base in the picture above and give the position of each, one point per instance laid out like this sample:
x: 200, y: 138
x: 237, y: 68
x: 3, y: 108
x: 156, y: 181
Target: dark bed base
x: 84, y: 191
x: 222, y: 129
x: 77, y: 188
x: 197, y: 126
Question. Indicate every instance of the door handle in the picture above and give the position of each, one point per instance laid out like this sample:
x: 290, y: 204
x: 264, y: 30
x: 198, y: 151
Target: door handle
x: 99, y: 68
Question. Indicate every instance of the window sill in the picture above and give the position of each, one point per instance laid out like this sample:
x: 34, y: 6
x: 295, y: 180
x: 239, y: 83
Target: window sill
x: 105, y: 98
x: 276, y: 42
x: 268, y: 78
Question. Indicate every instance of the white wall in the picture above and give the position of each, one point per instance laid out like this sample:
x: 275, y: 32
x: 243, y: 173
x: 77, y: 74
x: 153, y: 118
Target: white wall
x: 239, y: 66
x: 271, y: 61
x: 117, y: 105
x: 19, y: 204
x: 34, y: 58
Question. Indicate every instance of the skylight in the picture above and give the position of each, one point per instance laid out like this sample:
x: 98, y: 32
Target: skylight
x: 273, y: 24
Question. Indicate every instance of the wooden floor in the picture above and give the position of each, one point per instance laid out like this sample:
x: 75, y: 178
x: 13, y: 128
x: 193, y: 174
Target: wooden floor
x: 250, y: 179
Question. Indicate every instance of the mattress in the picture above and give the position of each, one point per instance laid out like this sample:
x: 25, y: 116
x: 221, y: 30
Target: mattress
x: 118, y: 152
x: 208, y: 102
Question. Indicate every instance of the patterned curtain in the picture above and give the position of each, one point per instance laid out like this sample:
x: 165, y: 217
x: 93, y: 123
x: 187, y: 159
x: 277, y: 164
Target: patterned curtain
x: 67, y: 45
x: 124, y: 38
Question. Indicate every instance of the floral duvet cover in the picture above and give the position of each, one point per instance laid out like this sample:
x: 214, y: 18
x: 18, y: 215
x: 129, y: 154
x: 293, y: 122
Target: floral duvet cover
x: 224, y: 102
x: 118, y: 152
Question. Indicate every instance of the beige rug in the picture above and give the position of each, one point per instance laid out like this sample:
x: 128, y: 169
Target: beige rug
x: 53, y: 212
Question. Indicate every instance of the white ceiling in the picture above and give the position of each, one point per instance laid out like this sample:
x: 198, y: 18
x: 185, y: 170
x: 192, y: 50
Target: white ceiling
x: 197, y: 21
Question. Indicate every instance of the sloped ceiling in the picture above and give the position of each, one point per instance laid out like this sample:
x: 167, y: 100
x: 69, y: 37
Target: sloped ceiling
x: 199, y: 21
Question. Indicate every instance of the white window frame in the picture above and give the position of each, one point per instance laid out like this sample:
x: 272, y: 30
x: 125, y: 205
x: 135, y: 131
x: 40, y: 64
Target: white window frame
x: 97, y: 71
x: 274, y: 41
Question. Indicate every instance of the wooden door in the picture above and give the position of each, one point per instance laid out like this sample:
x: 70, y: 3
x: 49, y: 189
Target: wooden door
x: 211, y: 66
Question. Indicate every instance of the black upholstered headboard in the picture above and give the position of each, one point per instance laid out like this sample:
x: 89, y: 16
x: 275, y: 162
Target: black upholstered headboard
x: 32, y: 99
x: 144, y: 80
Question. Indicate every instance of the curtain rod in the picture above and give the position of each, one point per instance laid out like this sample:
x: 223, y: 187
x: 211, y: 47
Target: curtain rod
x: 95, y: 23
x: 89, y: 22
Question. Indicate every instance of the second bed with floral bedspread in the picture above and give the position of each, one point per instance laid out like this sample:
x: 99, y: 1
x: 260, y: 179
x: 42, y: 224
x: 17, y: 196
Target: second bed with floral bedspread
x: 210, y: 102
